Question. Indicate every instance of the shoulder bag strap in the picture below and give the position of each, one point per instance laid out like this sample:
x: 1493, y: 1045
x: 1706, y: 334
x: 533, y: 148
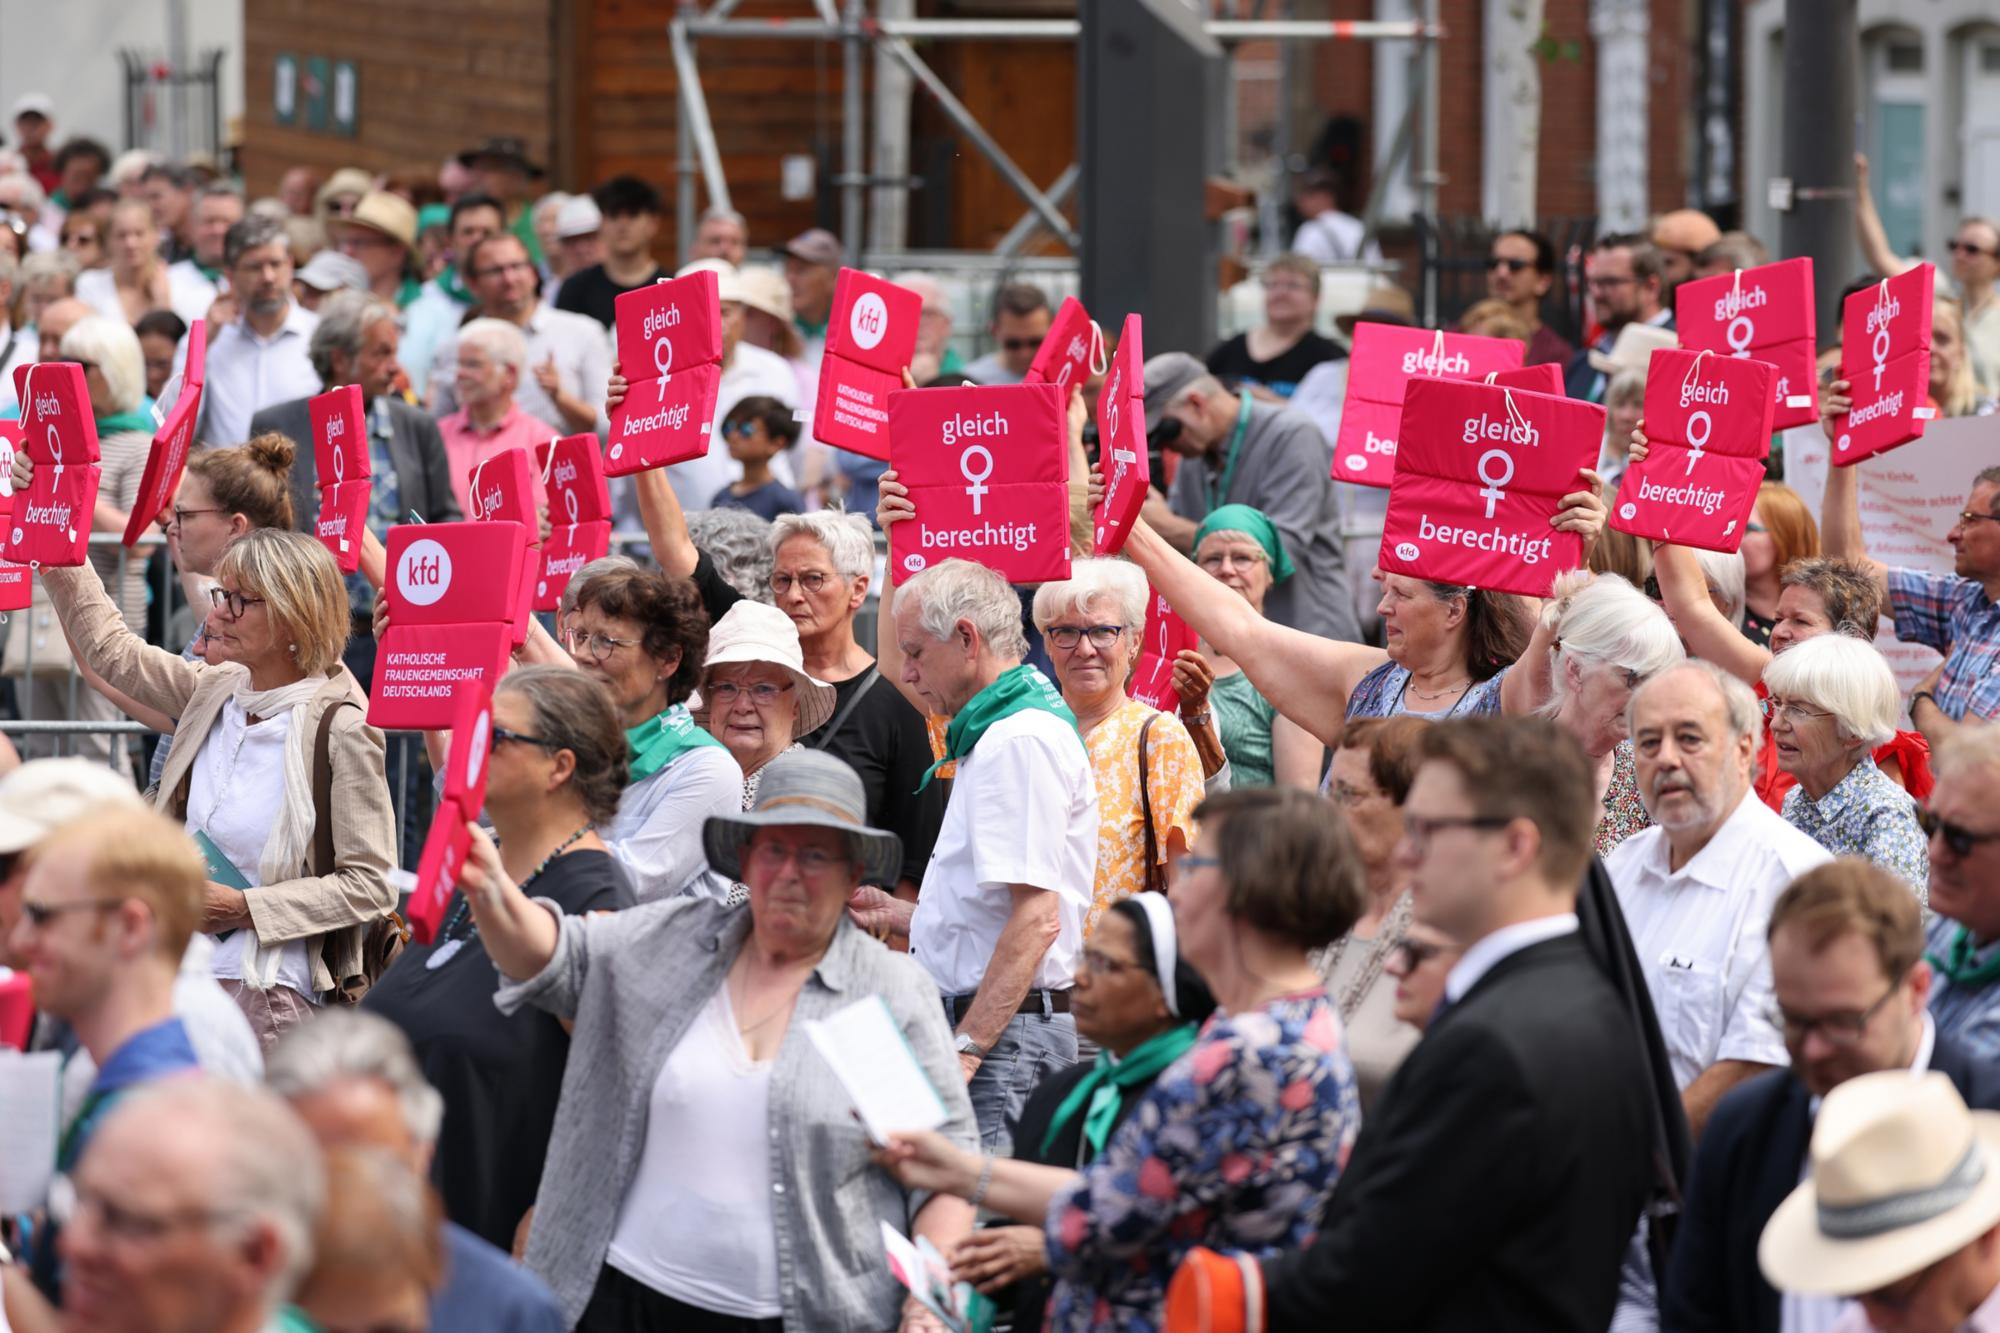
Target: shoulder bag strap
x: 1152, y: 875
x: 322, y: 780
x: 824, y: 736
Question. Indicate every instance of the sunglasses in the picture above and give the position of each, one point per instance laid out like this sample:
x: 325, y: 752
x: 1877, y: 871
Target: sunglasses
x: 1959, y: 247
x: 1020, y: 344
x: 1957, y: 839
x: 501, y: 734
x: 1511, y: 265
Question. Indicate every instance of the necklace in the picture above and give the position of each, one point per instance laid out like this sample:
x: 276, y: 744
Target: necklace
x: 449, y: 942
x: 1431, y: 695
x: 783, y: 1004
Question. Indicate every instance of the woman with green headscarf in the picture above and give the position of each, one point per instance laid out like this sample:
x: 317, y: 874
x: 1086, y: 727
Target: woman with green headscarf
x: 1142, y: 1006
x: 1238, y: 547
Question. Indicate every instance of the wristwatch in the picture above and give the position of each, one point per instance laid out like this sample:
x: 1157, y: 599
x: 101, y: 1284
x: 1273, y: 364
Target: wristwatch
x: 1201, y: 719
x: 1921, y: 694
x: 965, y: 1045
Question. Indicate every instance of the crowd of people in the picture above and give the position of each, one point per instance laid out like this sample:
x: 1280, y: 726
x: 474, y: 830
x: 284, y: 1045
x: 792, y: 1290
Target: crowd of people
x: 1439, y: 958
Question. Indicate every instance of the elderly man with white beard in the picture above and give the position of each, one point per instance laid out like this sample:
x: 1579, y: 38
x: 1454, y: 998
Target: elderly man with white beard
x: 1697, y: 890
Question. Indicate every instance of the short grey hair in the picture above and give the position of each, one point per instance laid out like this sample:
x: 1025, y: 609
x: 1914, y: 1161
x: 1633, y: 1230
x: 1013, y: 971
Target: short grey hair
x: 1968, y: 748
x: 114, y: 348
x: 498, y: 339
x: 717, y: 213
x: 740, y: 544
x: 604, y: 564
x: 1739, y: 701
x: 43, y: 265
x: 345, y: 1045
x: 344, y: 320
x: 220, y: 190
x: 1627, y: 385
x: 268, y: 1166
x: 1723, y: 572
x: 1843, y: 676
x: 27, y: 191
x: 954, y: 590
x: 254, y: 232
x: 1094, y: 583
x: 849, y: 541
x: 1605, y: 622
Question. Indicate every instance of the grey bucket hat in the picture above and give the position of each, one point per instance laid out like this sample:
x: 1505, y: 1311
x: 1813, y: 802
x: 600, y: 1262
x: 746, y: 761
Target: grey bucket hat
x: 806, y: 787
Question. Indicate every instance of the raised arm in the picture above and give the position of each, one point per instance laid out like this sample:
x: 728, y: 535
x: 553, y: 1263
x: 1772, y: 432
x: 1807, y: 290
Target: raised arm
x: 1707, y: 632
x: 155, y: 677
x: 892, y: 508
x: 1305, y: 677
x: 659, y: 508
x: 1868, y: 227
x: 1840, y: 511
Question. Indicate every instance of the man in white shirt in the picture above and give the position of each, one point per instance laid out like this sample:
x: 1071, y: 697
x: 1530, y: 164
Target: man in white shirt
x: 259, y: 358
x: 1327, y: 234
x: 999, y: 919
x: 193, y: 281
x: 569, y: 355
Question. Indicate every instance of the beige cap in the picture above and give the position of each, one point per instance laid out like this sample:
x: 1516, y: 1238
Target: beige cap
x: 42, y: 795
x: 379, y: 211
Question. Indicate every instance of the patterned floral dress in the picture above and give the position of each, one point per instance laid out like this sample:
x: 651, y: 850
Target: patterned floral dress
x: 1173, y: 787
x: 1236, y: 1147
x: 1624, y: 813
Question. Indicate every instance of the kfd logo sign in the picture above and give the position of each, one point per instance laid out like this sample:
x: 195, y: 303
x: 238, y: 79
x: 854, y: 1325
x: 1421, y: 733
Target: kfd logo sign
x: 423, y: 575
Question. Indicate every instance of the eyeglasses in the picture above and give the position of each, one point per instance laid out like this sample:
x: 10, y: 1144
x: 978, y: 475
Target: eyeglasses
x: 1286, y: 285
x: 1511, y: 265
x: 1190, y: 863
x: 1839, y: 1029
x: 812, y: 581
x: 1103, y: 964
x: 181, y: 515
x: 69, y: 1203
x: 1606, y: 284
x: 1959, y: 247
x: 763, y: 693
x: 1067, y: 637
x: 501, y: 734
x: 1221, y: 560
x: 235, y: 601
x: 596, y: 647
x: 1958, y: 839
x: 1409, y: 954
x: 39, y: 915
x: 500, y: 270
x: 1420, y: 831
x: 1791, y: 710
x: 1967, y: 517
x: 1021, y: 344
x: 1352, y: 796
x: 771, y: 856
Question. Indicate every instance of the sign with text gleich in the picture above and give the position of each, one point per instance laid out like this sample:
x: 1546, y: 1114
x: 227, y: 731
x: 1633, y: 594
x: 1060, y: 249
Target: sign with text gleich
x: 453, y: 591
x: 342, y: 464
x: 166, y: 460
x: 1708, y: 431
x: 988, y: 472
x: 1885, y: 357
x: 1121, y: 443
x: 871, y: 335
x: 1165, y: 635
x: 464, y: 795
x: 1480, y: 472
x: 670, y: 352
x: 57, y: 425
x: 502, y: 489
x: 1386, y: 357
x: 1071, y: 351
x: 579, y: 512
x: 1763, y: 314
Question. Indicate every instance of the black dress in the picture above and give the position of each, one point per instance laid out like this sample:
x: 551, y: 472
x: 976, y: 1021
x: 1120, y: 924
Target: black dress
x: 1029, y: 1299
x: 500, y: 1075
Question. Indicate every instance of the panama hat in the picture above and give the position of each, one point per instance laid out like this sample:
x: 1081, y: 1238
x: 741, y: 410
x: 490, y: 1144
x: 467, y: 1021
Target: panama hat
x: 379, y: 211
x: 753, y: 632
x: 815, y: 789
x: 1902, y: 1176
x: 42, y: 795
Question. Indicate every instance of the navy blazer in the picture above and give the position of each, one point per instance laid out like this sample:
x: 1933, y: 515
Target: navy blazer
x: 1750, y: 1157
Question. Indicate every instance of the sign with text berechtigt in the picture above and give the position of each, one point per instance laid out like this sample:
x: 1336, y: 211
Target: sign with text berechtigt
x: 1708, y: 430
x: 1885, y: 357
x: 670, y: 351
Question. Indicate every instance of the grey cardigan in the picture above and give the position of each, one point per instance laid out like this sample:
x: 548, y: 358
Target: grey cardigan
x: 633, y: 982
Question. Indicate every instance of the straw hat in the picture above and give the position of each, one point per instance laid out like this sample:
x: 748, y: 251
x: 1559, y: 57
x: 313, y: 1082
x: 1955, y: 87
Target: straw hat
x: 815, y: 789
x: 765, y: 289
x: 347, y: 180
x: 1633, y: 348
x: 379, y: 211
x: 754, y: 632
x: 42, y: 795
x: 1902, y: 1176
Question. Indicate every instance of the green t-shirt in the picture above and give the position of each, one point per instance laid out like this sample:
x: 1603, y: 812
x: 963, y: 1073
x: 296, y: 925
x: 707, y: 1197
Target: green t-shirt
x: 1244, y: 717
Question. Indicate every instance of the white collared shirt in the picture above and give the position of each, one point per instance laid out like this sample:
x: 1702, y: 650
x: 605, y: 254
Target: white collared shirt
x: 1023, y: 810
x: 1503, y: 943
x: 1699, y: 933
x: 247, y: 373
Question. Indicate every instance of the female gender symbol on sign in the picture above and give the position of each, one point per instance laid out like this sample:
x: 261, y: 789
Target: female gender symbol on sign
x: 977, y: 490
x: 663, y: 348
x: 1696, y: 442
x: 569, y: 503
x: 339, y: 464
x: 1493, y: 495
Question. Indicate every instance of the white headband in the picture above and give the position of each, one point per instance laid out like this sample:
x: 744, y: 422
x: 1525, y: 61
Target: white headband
x: 1166, y: 944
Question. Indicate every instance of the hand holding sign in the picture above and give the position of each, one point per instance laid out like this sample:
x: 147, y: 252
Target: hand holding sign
x: 670, y: 345
x: 1885, y: 356
x: 1161, y: 643
x: 1708, y: 426
x: 1121, y: 436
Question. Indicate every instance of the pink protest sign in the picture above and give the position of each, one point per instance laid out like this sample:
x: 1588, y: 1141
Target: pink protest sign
x: 1708, y: 428
x: 1071, y: 351
x: 569, y: 548
x: 340, y: 435
x: 168, y: 456
x: 667, y: 424
x: 57, y: 425
x: 1544, y: 378
x: 573, y: 477
x: 506, y: 486
x: 16, y: 582
x: 870, y: 337
x: 50, y: 525
x: 988, y: 472
x: 1885, y: 357
x: 1121, y: 442
x: 1763, y: 314
x: 1165, y: 635
x: 438, y: 869
x: 1386, y: 358
x: 420, y: 671
x: 455, y: 573
x: 1480, y: 472
x: 667, y: 327
x: 471, y: 743
x: 343, y: 518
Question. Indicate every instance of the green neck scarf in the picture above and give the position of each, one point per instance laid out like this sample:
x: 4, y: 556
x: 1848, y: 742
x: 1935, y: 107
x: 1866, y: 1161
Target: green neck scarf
x: 663, y: 738
x: 448, y: 282
x: 1013, y: 691
x: 1960, y: 966
x: 125, y: 421
x: 1103, y: 1088
x: 212, y: 274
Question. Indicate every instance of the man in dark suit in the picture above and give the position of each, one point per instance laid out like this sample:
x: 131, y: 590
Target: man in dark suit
x: 1500, y: 1178
x: 1852, y: 987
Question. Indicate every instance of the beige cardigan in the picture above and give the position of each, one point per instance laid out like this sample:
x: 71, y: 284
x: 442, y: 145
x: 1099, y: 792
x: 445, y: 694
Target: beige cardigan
x: 329, y: 912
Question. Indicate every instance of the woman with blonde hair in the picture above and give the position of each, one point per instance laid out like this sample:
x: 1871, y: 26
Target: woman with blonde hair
x: 274, y: 768
x: 1953, y: 389
x: 136, y: 280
